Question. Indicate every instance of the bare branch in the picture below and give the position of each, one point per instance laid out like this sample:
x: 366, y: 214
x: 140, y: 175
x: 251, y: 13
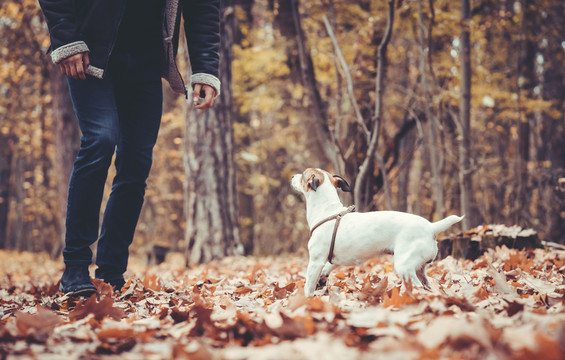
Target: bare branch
x: 352, y: 99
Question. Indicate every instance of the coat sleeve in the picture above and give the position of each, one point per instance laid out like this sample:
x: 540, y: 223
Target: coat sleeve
x: 65, y: 39
x: 202, y: 27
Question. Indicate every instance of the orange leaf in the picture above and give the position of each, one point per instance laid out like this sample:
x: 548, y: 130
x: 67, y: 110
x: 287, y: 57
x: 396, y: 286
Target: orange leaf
x: 394, y: 299
x: 340, y: 275
x: 242, y: 290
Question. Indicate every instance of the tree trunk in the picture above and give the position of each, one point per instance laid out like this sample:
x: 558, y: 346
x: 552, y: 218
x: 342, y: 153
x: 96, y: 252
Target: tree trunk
x: 318, y: 109
x: 6, y: 154
x: 465, y: 117
x: 67, y: 143
x: 15, y: 223
x: 525, y: 82
x: 209, y: 189
x: 430, y: 116
x: 368, y: 163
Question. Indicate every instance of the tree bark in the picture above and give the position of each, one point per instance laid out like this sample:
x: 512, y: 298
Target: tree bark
x: 209, y: 189
x: 368, y: 163
x: 318, y: 109
x: 15, y: 217
x: 430, y: 116
x: 525, y: 82
x: 6, y: 154
x: 465, y: 184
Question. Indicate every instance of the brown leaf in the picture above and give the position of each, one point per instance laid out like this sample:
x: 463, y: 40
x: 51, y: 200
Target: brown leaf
x: 103, y: 288
x: 372, y: 294
x: 116, y: 347
x: 152, y: 282
x: 513, y: 307
x: 37, y: 326
x: 394, y: 299
x: 242, y: 290
x: 115, y: 333
x: 462, y: 303
x: 204, y: 324
x: 178, y: 315
x: 481, y: 293
x: 283, y: 292
x: 291, y: 328
x: 99, y: 309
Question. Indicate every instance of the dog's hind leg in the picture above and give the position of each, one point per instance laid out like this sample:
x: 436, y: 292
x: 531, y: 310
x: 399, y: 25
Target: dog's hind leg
x: 312, y: 276
x: 406, y: 265
x: 410, y: 263
x: 421, y: 274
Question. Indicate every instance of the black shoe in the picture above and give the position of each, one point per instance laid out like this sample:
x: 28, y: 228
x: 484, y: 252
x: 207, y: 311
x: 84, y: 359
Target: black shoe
x: 76, y: 281
x: 118, y: 284
x: 110, y: 277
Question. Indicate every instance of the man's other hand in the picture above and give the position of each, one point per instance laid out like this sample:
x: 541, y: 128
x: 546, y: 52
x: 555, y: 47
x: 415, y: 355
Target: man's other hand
x: 75, y: 66
x: 209, y: 94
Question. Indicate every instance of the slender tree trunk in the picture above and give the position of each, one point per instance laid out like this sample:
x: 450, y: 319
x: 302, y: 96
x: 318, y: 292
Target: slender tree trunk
x: 430, y: 116
x: 67, y: 143
x: 209, y: 189
x: 15, y: 223
x: 525, y: 82
x: 465, y: 117
x: 317, y: 108
x: 6, y: 154
x: 360, y: 182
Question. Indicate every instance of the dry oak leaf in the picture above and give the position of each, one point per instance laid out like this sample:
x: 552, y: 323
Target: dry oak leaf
x: 394, y: 299
x: 99, y: 309
x: 283, y: 292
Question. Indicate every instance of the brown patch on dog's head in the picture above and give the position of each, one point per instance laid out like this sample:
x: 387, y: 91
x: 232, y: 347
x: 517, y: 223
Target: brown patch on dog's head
x: 312, y: 179
x: 339, y: 183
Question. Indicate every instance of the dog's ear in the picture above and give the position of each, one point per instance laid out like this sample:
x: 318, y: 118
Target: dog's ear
x: 313, y: 182
x: 341, y: 183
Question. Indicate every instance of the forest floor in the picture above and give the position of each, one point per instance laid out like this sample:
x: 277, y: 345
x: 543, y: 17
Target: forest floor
x: 507, y: 304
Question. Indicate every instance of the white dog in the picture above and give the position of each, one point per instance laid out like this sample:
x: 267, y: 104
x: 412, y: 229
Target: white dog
x: 362, y: 236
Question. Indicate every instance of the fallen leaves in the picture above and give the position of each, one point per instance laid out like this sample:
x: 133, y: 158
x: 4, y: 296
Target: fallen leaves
x: 100, y: 309
x: 506, y: 304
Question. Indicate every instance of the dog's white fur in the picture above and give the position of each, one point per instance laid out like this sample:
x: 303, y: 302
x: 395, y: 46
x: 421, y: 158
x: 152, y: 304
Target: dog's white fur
x: 362, y: 236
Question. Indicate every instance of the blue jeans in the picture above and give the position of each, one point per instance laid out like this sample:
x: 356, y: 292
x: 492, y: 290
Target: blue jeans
x: 120, y: 113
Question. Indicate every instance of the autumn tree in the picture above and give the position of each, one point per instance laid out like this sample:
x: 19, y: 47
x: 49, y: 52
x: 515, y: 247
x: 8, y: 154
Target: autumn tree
x: 210, y: 197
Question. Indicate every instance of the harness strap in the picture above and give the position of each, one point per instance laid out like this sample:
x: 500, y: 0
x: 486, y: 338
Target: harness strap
x: 337, y: 218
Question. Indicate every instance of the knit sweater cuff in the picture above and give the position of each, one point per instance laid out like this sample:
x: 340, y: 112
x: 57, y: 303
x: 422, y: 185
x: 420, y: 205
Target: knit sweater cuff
x: 206, y: 79
x: 65, y: 51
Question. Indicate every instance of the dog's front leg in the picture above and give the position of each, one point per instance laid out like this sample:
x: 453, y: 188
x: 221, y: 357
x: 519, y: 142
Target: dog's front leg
x: 322, y: 281
x: 312, y: 276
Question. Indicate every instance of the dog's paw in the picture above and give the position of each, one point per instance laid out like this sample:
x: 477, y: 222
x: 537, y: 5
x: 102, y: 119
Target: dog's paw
x: 322, y: 281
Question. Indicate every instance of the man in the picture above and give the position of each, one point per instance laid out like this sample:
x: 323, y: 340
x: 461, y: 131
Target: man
x: 114, y: 53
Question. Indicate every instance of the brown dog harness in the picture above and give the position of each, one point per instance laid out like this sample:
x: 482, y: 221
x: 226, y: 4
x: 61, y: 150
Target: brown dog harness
x: 337, y: 218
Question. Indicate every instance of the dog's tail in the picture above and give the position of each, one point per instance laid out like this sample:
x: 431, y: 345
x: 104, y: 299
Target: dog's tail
x: 444, y: 224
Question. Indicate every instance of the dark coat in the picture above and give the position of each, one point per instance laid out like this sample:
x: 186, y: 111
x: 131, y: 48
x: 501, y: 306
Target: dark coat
x: 77, y: 26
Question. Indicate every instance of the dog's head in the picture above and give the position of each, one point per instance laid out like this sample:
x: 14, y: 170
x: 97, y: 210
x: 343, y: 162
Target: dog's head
x: 313, y: 179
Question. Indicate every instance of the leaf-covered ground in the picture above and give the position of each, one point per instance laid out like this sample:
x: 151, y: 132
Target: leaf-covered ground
x: 505, y: 305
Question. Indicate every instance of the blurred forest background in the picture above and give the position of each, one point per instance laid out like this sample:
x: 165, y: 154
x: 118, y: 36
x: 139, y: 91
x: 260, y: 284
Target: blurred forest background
x: 428, y: 106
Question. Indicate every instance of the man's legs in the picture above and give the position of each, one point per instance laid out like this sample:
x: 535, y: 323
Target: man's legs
x: 139, y: 99
x: 97, y: 114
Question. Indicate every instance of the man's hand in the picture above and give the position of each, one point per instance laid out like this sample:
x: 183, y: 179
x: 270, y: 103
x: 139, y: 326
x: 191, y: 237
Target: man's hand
x: 208, y: 100
x: 75, y: 66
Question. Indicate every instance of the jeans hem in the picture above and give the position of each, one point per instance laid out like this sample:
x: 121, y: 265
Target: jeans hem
x: 78, y: 262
